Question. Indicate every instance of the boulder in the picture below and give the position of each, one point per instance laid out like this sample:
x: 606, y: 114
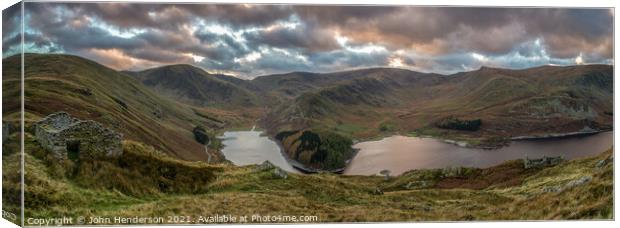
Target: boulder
x: 266, y: 165
x: 541, y: 162
x: 279, y: 173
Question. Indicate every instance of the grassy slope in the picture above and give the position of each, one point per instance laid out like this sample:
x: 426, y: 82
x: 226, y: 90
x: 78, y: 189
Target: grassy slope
x: 509, y: 102
x: 193, y: 85
x: 88, y: 90
x: 502, y: 192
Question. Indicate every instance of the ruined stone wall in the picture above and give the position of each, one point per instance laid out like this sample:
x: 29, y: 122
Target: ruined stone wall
x: 59, y: 120
x: 48, y: 138
x: 95, y: 140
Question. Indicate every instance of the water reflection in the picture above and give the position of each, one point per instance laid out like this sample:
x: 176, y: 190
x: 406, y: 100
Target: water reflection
x: 400, y: 153
x: 249, y: 147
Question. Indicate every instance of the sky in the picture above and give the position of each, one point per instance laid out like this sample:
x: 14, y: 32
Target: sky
x: 252, y: 40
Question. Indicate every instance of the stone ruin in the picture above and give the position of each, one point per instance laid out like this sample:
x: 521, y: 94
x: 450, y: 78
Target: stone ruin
x: 541, y: 162
x: 68, y: 137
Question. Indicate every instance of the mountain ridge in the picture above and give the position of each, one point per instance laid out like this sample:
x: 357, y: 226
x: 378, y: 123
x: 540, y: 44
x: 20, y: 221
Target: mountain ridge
x: 357, y: 105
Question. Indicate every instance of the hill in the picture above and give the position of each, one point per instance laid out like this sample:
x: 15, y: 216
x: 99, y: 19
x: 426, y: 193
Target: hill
x: 164, y: 106
x: 194, y: 86
x: 508, y: 103
x: 88, y: 90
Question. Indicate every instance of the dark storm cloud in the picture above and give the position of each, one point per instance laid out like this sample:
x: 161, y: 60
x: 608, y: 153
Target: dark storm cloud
x: 261, y: 39
x: 491, y: 30
x: 11, y: 21
x: 308, y: 36
x: 173, y: 15
x: 233, y: 47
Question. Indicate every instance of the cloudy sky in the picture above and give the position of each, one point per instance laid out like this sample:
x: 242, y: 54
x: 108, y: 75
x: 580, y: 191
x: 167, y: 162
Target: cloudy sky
x: 252, y: 40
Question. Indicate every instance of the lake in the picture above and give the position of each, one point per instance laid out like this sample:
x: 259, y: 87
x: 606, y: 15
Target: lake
x: 400, y: 153
x: 250, y: 147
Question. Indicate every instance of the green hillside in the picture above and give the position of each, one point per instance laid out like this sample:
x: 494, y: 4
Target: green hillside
x: 509, y: 103
x: 88, y: 90
x: 194, y: 86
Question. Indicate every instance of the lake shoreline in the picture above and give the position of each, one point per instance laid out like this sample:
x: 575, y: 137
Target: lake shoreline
x: 558, y: 135
x: 307, y: 170
x: 254, y: 153
x: 301, y: 168
x: 400, y: 153
x: 465, y: 144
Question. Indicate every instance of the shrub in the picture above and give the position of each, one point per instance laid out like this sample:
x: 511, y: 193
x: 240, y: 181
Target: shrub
x: 325, y: 150
x: 200, y: 134
x: 458, y: 124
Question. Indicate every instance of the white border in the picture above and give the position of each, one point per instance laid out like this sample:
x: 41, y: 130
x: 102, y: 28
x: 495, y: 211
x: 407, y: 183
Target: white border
x: 527, y: 3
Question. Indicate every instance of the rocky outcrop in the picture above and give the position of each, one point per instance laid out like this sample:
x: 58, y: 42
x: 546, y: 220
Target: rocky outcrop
x: 574, y: 183
x: 276, y: 171
x: 604, y: 162
x: 68, y: 137
x: 541, y: 162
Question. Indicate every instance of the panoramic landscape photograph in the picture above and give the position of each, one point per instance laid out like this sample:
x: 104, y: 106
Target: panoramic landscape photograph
x: 167, y: 113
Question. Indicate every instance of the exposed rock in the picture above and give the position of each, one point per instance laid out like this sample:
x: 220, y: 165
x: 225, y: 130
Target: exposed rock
x: 552, y: 189
x: 602, y: 163
x: 452, y: 171
x: 279, y: 173
x: 68, y: 137
x: 541, y: 162
x: 266, y: 165
x: 416, y: 185
x: 581, y: 181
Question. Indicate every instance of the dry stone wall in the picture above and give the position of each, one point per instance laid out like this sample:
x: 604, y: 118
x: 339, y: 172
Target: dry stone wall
x: 66, y: 136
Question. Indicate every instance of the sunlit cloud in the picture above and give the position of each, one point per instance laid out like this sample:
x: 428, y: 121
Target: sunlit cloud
x: 579, y: 59
x: 479, y: 57
x: 396, y: 62
x: 252, y: 57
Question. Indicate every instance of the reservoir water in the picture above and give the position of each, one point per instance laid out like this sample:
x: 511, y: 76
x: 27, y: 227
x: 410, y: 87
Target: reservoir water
x: 250, y: 147
x: 401, y: 153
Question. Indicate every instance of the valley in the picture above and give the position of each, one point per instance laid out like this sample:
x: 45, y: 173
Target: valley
x: 369, y: 104
x: 317, y: 117
x: 185, y: 137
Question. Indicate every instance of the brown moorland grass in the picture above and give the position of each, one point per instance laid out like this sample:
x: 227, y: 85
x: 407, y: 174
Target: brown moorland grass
x: 503, y: 192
